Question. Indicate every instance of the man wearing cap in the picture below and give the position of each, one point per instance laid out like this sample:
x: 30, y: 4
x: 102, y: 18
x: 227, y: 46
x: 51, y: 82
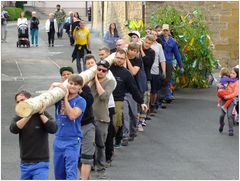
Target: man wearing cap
x: 101, y: 88
x: 170, y: 49
x: 135, y: 37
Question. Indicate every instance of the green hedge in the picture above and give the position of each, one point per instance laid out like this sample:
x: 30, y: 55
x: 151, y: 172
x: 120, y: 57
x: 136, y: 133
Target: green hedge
x: 13, y: 13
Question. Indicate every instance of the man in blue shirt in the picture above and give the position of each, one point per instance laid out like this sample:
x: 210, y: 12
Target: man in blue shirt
x: 68, y: 114
x: 170, y: 49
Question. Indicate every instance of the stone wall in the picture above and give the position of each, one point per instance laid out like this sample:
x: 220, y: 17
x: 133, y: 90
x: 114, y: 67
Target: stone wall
x: 118, y: 12
x: 223, y: 22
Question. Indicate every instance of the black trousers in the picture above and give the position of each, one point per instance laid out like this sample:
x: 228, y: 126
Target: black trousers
x: 109, y: 149
x: 51, y: 35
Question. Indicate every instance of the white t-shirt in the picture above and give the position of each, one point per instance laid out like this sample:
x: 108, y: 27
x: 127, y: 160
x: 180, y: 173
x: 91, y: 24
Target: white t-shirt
x: 111, y: 102
x: 159, y: 57
x: 22, y: 21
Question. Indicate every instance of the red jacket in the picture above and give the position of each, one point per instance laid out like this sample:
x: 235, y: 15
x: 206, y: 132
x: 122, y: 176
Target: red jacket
x: 233, y: 89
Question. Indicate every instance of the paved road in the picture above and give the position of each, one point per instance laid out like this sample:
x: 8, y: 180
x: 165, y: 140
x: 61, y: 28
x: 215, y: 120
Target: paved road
x: 181, y: 142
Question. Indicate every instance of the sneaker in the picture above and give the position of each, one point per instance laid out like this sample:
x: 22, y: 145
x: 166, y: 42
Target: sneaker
x: 147, y: 118
x: 230, y: 134
x: 124, y: 142
x: 224, y: 109
x: 131, y: 138
x: 108, y: 163
x: 140, y: 128
x: 117, y: 145
x: 144, y: 123
x: 168, y: 101
x: 163, y: 106
x: 221, y: 128
x: 49, y: 45
x: 52, y: 45
x: 101, y: 175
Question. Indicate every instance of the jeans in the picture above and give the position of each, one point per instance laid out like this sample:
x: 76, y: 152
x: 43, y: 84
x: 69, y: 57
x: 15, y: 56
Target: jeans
x: 4, y: 32
x: 100, y: 139
x: 34, y: 35
x: 51, y: 37
x: 79, y: 61
x: 60, y: 30
x: 35, y: 171
x: 129, y: 116
x: 229, y: 116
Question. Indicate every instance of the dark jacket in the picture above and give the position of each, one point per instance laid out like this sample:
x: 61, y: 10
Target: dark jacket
x: 33, y: 138
x: 125, y: 83
x: 34, y: 22
x: 148, y: 60
x: 88, y: 114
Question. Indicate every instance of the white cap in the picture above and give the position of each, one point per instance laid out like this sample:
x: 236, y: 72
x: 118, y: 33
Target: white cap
x: 165, y: 27
x: 134, y: 33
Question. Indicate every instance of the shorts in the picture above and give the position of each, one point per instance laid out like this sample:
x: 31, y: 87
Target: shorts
x: 155, y: 83
x: 88, y: 144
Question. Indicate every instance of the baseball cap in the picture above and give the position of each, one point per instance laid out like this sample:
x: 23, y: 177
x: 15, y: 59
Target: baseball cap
x: 165, y: 27
x: 134, y: 33
x: 104, y: 63
x: 69, y: 69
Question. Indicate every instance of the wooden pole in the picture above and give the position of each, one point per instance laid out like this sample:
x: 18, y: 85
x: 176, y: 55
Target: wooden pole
x: 33, y: 105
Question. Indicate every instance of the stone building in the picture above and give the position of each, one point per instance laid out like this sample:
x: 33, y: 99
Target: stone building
x: 222, y: 18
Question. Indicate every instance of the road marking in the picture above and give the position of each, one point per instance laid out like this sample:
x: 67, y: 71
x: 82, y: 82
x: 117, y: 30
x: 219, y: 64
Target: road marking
x: 20, y: 72
x: 55, y: 53
x: 58, y: 45
x: 20, y: 87
x: 58, y: 66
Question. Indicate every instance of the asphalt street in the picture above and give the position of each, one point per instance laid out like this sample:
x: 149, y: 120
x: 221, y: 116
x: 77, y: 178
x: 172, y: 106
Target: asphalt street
x: 181, y: 142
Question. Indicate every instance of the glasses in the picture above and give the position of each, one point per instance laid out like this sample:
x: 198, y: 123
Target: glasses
x: 20, y: 100
x: 165, y: 30
x: 102, y: 70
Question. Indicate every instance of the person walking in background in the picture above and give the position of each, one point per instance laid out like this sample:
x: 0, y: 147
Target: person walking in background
x: 4, y: 18
x: 81, y: 36
x: 60, y: 15
x: 22, y: 19
x: 68, y: 26
x: 111, y: 36
x: 33, y: 140
x: 34, y: 22
x: 51, y: 28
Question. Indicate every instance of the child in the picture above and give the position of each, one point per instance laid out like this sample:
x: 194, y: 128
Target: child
x: 68, y: 114
x: 224, y: 89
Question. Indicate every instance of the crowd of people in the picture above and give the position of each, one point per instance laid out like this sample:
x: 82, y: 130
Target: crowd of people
x: 95, y: 118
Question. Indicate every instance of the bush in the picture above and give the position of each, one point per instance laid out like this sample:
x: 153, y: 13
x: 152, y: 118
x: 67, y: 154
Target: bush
x: 13, y: 13
x: 28, y: 14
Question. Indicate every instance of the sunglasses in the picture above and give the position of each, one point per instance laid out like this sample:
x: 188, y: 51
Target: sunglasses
x: 20, y: 100
x: 102, y: 70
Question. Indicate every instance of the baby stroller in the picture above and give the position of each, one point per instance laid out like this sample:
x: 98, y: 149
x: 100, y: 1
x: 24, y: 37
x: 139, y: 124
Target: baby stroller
x: 23, y: 36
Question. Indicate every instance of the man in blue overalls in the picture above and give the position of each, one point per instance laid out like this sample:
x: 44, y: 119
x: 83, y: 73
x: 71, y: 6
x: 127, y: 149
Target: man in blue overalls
x: 68, y: 113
